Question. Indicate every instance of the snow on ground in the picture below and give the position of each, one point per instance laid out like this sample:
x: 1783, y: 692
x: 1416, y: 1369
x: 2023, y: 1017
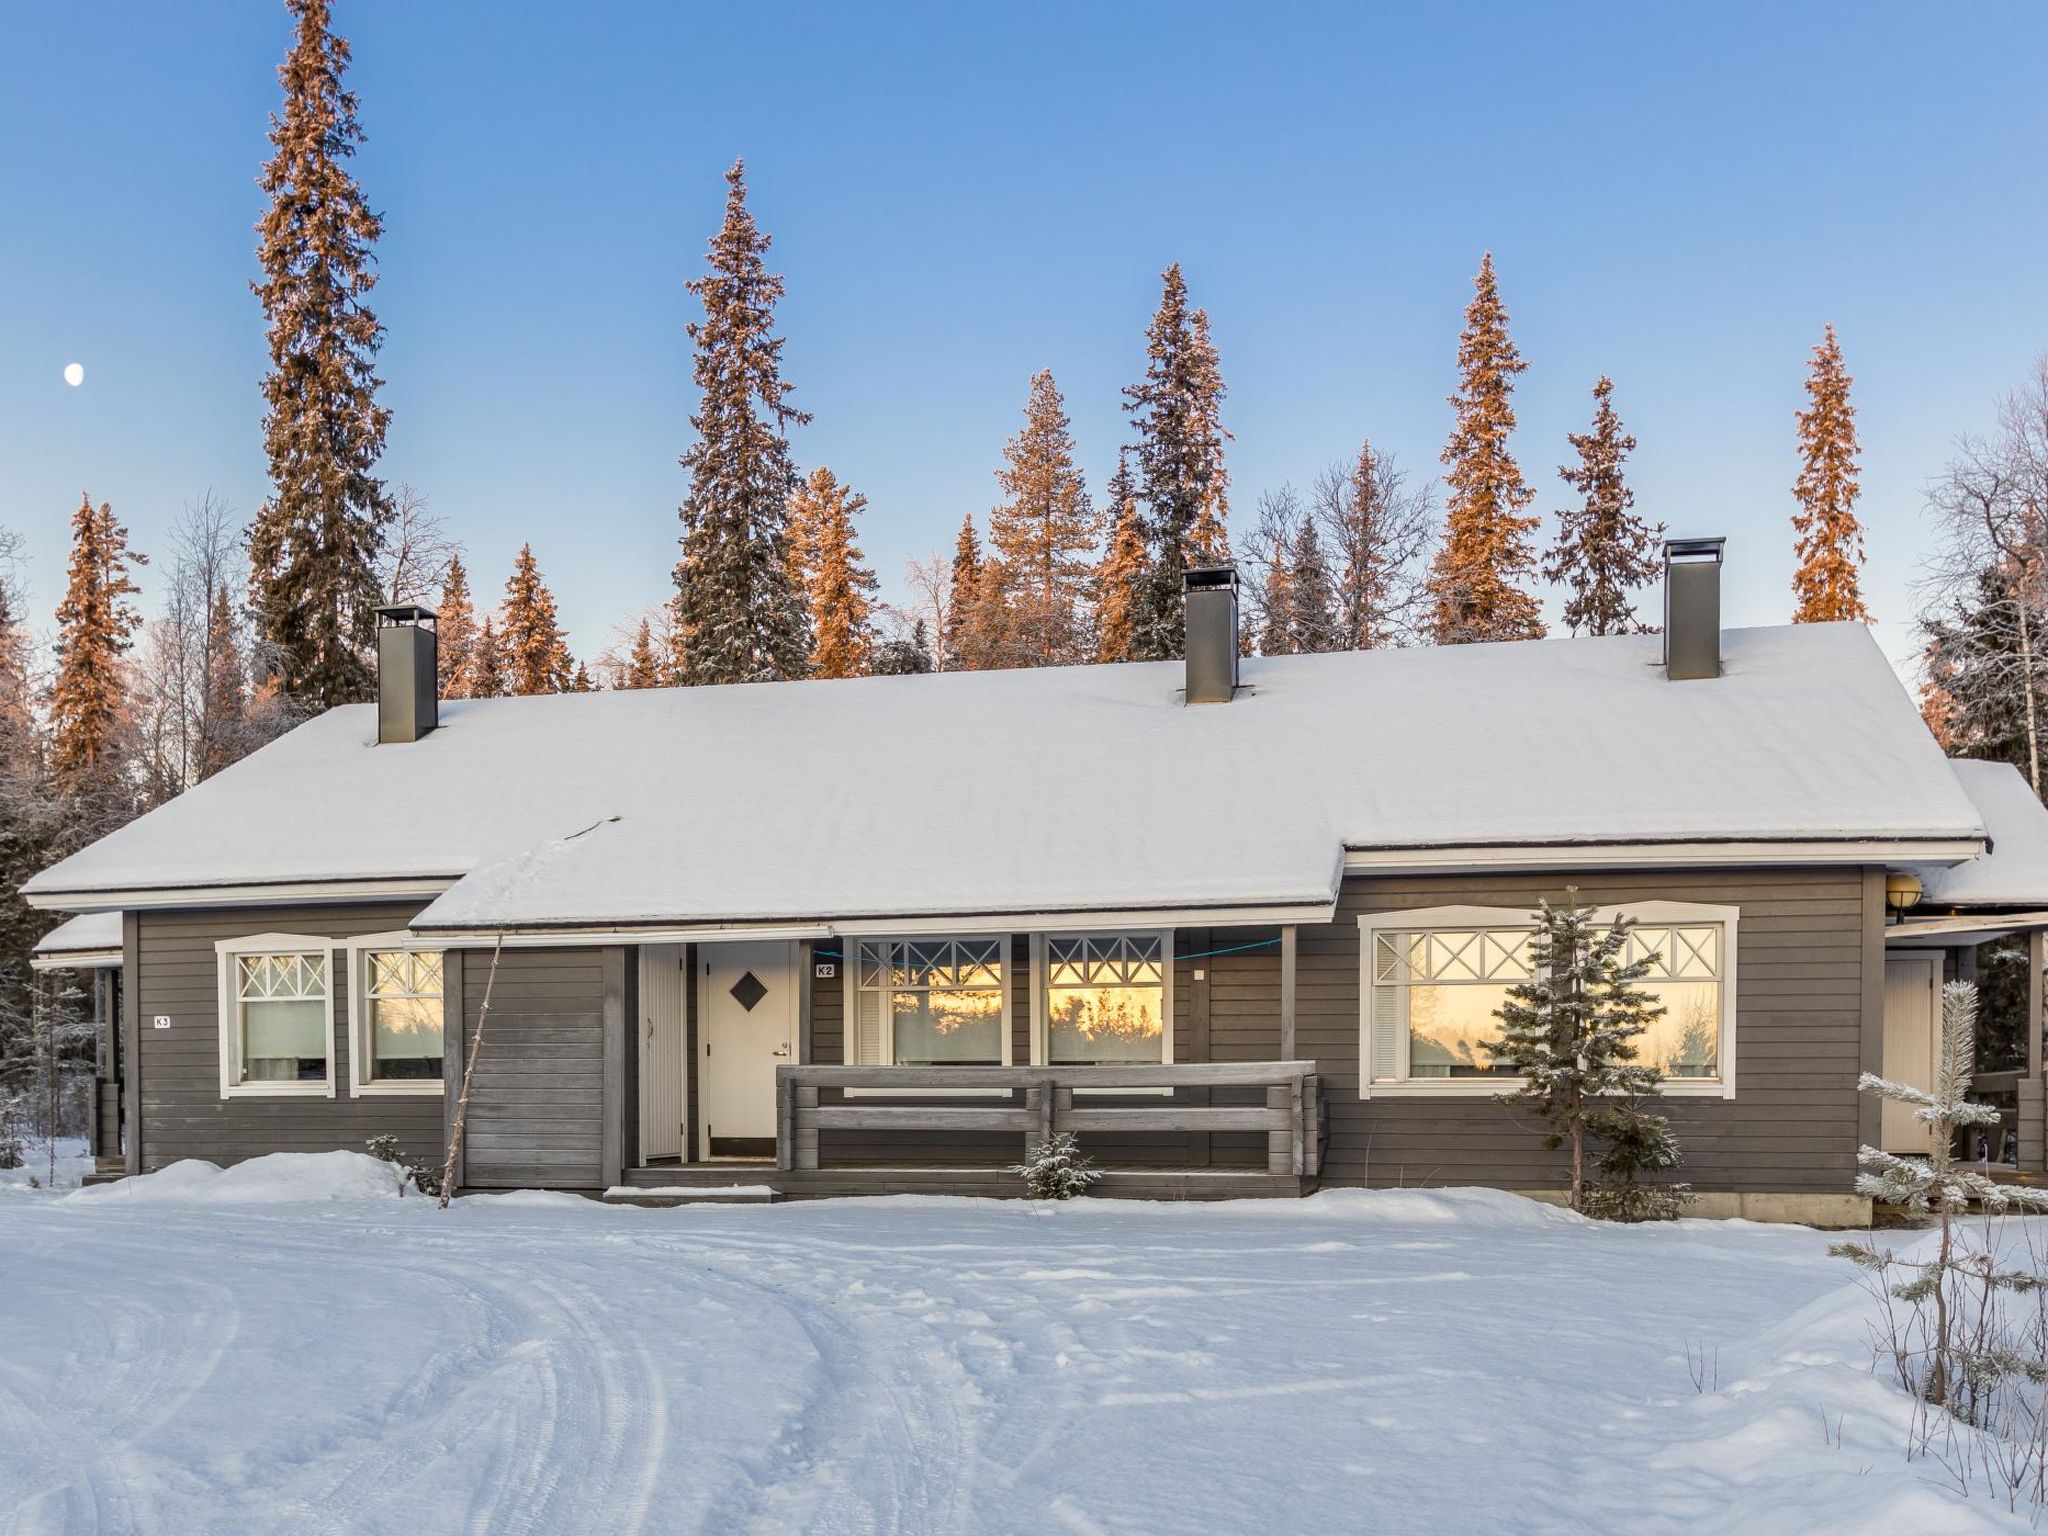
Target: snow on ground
x: 286, y: 1347
x: 73, y: 1164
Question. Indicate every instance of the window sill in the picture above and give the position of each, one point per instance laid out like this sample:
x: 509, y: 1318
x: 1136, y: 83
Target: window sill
x: 1454, y: 1088
x: 277, y: 1091
x: 425, y: 1088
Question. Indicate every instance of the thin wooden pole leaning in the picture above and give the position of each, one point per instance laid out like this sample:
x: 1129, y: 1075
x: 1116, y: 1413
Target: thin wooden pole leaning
x: 476, y: 1041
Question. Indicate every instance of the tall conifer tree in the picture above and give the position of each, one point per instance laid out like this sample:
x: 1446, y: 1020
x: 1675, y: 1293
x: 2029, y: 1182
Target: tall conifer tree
x: 90, y: 724
x: 313, y: 547
x: 224, y: 726
x: 1474, y: 582
x: 1830, y: 542
x: 455, y: 632
x: 1044, y: 534
x: 536, y: 651
x: 741, y: 616
x: 488, y: 667
x: 841, y: 587
x: 1121, y: 577
x: 1182, y: 481
x: 1604, y: 551
x: 643, y: 662
x: 965, y: 610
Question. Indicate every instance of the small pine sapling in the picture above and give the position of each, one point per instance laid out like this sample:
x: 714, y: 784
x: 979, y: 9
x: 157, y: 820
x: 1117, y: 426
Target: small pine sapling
x: 1056, y: 1170
x: 1569, y: 1031
x: 1958, y: 1360
x: 1634, y: 1141
x: 384, y: 1148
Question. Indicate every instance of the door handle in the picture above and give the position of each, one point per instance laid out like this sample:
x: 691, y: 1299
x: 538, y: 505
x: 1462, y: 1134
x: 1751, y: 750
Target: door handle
x: 782, y: 1050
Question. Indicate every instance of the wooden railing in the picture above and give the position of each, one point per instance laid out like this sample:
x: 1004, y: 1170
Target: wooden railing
x: 1290, y: 1116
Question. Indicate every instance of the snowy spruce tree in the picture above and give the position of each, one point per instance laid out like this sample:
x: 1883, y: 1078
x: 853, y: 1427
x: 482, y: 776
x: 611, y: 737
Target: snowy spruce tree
x: 1183, y: 486
x: 455, y: 632
x: 1122, y: 576
x: 1604, y: 551
x: 1960, y: 1356
x: 740, y: 614
x: 1056, y: 1170
x: 1043, y: 533
x: 968, y: 613
x: 1475, y: 580
x: 225, y: 724
x: 644, y: 668
x: 536, y: 651
x: 489, y: 667
x: 1297, y: 593
x: 1376, y: 528
x: 904, y: 655
x: 1830, y: 539
x: 91, y: 726
x: 313, y: 547
x: 1569, y: 1032
x: 838, y: 587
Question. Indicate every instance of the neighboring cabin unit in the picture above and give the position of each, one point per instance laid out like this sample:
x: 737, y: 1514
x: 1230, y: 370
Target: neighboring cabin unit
x: 882, y: 933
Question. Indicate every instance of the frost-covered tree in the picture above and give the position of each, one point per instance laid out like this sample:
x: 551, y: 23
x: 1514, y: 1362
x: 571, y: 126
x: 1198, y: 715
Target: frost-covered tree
x: 839, y: 587
x: 1989, y: 597
x: 536, y: 651
x: 1959, y: 1359
x: 1634, y: 1141
x: 314, y: 546
x: 644, y: 668
x: 1475, y: 580
x: 904, y: 655
x: 1830, y: 539
x: 1056, y: 1170
x: 1043, y: 533
x: 455, y: 632
x: 91, y: 726
x: 1296, y: 597
x: 968, y: 615
x: 1569, y: 1031
x: 740, y: 614
x: 1175, y: 411
x: 1122, y: 575
x: 488, y: 665
x: 1377, y: 529
x: 1604, y: 551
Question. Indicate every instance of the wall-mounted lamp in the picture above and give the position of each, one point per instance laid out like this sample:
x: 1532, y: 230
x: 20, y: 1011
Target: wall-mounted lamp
x: 1902, y: 892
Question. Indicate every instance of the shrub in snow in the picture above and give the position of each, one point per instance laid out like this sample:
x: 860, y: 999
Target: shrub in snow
x: 1569, y: 1031
x: 385, y: 1149
x: 1952, y: 1327
x: 1056, y: 1170
x: 1633, y: 1142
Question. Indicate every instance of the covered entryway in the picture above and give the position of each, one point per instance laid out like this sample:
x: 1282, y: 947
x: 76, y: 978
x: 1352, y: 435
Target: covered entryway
x: 747, y: 1012
x: 1912, y: 1013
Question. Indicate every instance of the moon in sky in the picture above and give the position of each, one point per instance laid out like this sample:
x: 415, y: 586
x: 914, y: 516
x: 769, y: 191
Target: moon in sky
x: 74, y: 374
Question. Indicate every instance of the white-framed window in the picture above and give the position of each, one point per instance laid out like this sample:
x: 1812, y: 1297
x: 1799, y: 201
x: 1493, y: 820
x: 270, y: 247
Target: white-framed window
x: 931, y: 1001
x: 1431, y: 981
x: 1104, y: 999
x: 276, y: 1016
x: 395, y: 992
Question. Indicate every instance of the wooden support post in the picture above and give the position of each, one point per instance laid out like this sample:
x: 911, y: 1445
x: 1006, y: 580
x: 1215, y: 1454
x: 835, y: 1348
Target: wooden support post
x: 2033, y: 1092
x: 784, y: 1091
x: 1281, y: 1144
x: 804, y: 1129
x: 1287, y: 970
x: 1037, y: 1105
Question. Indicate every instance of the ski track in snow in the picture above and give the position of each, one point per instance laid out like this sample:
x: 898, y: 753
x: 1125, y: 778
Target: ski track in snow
x: 911, y: 1366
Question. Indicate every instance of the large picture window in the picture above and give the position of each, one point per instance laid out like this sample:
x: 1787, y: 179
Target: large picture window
x: 1435, y: 980
x: 1106, y: 998
x: 276, y: 1016
x: 932, y: 1002
x: 397, y: 995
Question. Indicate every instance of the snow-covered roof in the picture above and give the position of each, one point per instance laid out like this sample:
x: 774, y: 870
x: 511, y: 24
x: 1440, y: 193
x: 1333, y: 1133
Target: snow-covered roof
x: 1071, y: 789
x: 90, y: 940
x: 2013, y: 869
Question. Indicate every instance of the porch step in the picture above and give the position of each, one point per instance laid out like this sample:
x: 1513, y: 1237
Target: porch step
x: 722, y: 1174
x: 658, y: 1195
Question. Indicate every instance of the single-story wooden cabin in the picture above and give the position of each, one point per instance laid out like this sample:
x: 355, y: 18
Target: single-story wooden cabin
x: 1241, y: 925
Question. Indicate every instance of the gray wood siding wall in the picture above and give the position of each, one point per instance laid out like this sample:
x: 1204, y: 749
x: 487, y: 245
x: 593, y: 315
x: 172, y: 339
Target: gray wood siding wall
x: 538, y: 1112
x: 178, y: 1069
x: 1805, y: 1014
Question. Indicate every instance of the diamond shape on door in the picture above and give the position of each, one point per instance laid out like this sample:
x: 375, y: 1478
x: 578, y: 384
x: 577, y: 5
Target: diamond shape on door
x: 748, y: 991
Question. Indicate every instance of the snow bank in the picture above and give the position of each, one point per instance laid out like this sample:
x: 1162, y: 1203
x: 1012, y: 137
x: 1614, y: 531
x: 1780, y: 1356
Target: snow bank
x: 281, y: 1178
x: 73, y: 1164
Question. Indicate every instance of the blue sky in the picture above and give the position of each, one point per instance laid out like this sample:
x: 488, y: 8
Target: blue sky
x: 1678, y: 197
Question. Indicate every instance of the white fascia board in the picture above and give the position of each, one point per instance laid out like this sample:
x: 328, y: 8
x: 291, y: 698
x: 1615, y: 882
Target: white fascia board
x: 591, y: 938
x: 1975, y: 926
x: 77, y: 960
x: 244, y: 895
x: 1656, y: 855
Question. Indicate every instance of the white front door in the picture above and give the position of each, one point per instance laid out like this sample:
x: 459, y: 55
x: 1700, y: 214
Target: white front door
x: 747, y: 1012
x: 662, y: 1084
x: 1912, y: 1013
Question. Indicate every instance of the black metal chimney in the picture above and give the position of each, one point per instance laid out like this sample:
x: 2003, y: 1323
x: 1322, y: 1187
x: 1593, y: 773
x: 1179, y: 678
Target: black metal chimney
x: 408, y: 673
x: 1212, y: 633
x: 1692, y: 608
